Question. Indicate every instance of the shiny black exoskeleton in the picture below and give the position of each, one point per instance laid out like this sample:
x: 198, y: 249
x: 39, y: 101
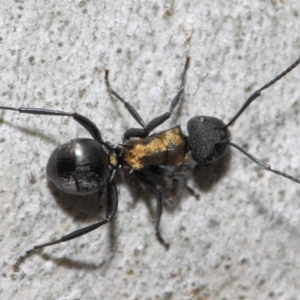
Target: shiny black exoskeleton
x: 84, y: 166
x: 79, y: 167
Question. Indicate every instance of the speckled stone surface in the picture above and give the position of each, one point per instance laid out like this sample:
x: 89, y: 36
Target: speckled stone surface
x: 241, y: 239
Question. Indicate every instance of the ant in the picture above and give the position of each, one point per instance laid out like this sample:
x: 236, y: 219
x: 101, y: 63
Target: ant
x: 85, y: 166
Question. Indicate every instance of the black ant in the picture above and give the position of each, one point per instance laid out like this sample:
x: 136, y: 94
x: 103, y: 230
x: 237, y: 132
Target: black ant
x: 84, y: 166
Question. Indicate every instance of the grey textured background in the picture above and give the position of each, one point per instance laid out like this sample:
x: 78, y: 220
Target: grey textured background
x: 241, y: 240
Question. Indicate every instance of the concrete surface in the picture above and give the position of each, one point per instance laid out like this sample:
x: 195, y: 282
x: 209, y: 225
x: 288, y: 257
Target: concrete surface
x: 241, y: 240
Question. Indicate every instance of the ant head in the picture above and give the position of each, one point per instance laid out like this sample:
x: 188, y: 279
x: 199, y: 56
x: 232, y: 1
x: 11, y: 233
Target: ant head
x: 208, y: 139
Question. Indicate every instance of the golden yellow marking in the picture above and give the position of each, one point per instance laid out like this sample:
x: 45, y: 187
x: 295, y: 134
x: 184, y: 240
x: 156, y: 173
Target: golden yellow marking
x: 164, y: 148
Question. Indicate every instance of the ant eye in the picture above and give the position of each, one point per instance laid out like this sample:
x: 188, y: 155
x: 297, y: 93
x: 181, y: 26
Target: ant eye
x: 210, y: 158
x: 219, y: 147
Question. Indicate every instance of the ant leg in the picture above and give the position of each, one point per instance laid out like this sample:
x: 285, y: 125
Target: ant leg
x: 159, y: 206
x: 112, y: 204
x: 164, y: 172
x: 83, y: 121
x: 162, y: 118
x: 127, y: 105
x: 144, y: 132
x: 177, y: 176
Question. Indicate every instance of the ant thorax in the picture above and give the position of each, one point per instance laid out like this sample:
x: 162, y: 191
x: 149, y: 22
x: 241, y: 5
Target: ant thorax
x: 165, y: 148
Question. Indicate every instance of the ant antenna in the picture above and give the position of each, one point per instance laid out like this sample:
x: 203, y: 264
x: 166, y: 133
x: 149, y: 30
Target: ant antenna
x: 264, y: 165
x: 255, y: 95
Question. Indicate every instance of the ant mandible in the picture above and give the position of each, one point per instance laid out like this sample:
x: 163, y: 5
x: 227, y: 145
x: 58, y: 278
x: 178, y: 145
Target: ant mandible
x: 84, y: 166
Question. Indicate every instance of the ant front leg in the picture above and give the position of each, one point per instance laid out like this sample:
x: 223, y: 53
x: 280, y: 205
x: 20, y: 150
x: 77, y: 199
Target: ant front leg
x: 83, y: 121
x: 145, y: 131
x: 176, y: 176
x: 112, y: 205
x: 159, y: 206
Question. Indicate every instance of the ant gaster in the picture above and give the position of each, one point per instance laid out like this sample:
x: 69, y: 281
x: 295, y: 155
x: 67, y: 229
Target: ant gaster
x: 84, y: 166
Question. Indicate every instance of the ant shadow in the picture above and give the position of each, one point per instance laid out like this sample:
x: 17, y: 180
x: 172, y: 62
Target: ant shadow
x: 92, y: 208
x: 174, y: 191
x: 86, y: 209
x: 31, y: 132
x: 206, y: 176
